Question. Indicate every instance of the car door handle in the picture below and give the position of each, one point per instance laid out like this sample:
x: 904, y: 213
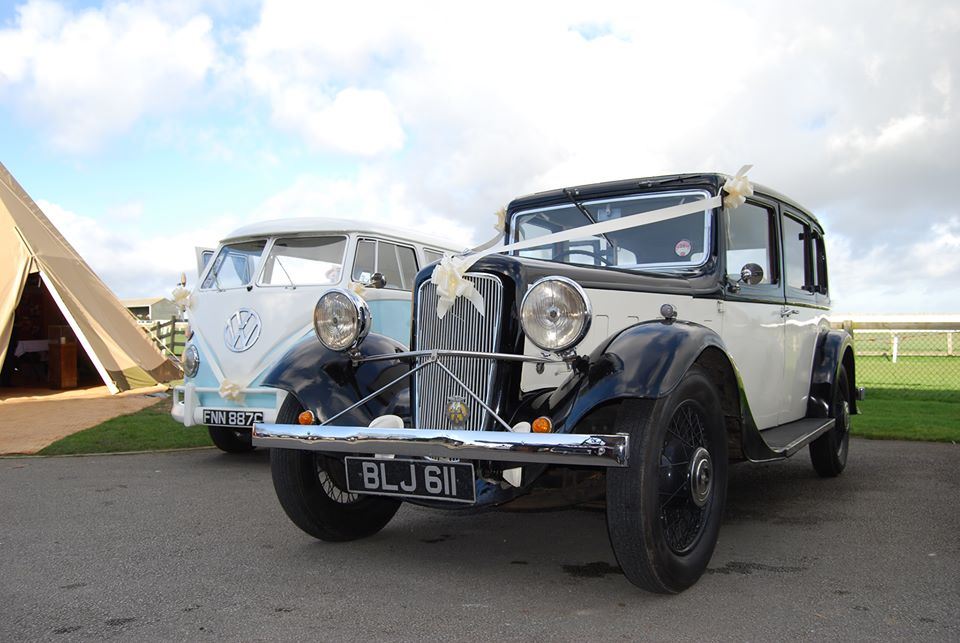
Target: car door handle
x: 787, y: 312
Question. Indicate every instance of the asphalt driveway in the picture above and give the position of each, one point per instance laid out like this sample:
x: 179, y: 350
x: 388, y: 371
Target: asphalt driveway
x: 193, y: 546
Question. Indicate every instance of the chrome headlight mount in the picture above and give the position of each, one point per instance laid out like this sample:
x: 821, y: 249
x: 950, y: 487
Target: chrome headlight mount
x: 556, y: 314
x: 341, y: 319
x: 191, y: 360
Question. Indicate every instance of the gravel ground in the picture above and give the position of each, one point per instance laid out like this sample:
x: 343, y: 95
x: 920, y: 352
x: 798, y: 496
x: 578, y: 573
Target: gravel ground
x: 193, y: 546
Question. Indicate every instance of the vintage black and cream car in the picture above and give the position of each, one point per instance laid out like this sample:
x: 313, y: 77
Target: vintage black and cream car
x: 635, y: 335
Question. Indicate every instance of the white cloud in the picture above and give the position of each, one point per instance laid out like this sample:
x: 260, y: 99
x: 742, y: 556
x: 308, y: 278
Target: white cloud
x: 87, y: 75
x: 370, y: 197
x: 134, y: 264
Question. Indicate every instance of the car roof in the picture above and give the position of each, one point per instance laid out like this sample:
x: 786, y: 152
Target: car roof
x: 630, y: 186
x: 306, y: 225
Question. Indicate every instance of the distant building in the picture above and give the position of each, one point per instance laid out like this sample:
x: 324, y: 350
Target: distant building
x: 151, y: 308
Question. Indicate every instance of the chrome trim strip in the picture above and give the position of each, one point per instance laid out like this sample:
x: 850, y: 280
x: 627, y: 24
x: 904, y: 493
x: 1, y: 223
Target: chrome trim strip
x: 507, y: 357
x: 499, y: 446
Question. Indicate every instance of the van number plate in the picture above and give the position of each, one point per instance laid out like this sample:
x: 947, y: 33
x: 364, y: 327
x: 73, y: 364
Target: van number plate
x: 231, y: 417
x: 423, y: 479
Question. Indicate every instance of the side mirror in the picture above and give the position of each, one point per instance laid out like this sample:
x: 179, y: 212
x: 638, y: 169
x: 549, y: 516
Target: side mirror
x: 377, y: 280
x: 751, y: 274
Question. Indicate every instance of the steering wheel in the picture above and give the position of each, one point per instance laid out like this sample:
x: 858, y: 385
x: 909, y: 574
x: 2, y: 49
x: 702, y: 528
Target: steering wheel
x: 589, y: 252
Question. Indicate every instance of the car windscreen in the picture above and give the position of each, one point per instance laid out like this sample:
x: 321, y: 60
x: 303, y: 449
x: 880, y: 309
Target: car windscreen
x: 304, y: 261
x: 671, y: 243
x: 235, y: 265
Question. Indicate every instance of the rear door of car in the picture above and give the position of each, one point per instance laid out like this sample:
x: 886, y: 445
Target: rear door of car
x: 804, y: 309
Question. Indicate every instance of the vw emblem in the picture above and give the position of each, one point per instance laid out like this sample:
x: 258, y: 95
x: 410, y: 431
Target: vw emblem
x: 242, y: 330
x: 457, y: 411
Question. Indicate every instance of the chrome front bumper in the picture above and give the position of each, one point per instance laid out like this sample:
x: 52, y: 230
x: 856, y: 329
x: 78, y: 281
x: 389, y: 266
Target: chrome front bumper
x: 500, y: 446
x: 186, y: 407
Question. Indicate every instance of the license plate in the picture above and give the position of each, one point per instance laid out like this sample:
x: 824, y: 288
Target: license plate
x: 232, y: 417
x: 423, y: 479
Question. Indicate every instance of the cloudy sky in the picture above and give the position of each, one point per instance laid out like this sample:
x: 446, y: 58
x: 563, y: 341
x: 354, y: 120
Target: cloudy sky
x: 146, y: 128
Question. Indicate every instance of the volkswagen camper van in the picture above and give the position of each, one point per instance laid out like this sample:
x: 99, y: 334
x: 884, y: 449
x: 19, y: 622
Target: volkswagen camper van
x: 253, y: 302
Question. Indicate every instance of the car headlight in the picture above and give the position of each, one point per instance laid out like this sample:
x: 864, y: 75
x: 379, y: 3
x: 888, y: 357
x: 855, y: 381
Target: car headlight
x: 191, y: 360
x: 555, y: 314
x: 341, y: 319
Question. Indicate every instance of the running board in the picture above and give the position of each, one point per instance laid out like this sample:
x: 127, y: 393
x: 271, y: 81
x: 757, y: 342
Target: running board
x: 786, y: 439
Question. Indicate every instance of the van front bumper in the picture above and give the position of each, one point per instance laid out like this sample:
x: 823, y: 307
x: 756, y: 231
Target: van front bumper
x: 500, y: 446
x: 188, y: 410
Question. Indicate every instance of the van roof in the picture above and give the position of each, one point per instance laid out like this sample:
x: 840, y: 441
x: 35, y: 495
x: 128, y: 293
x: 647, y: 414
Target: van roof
x: 302, y: 225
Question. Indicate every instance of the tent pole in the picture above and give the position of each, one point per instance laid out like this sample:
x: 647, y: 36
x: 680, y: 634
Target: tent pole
x: 76, y: 329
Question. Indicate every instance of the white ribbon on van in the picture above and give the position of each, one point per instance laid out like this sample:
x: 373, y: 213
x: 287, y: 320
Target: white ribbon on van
x: 448, y: 275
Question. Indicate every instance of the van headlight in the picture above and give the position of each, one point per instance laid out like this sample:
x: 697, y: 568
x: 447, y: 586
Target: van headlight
x: 555, y: 314
x: 341, y: 319
x: 191, y: 360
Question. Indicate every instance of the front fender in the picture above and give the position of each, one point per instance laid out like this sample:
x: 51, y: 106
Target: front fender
x: 327, y: 382
x: 646, y: 360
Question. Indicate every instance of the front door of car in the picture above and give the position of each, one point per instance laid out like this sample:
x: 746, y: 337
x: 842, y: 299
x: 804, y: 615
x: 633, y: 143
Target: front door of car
x: 804, y: 309
x: 753, y: 326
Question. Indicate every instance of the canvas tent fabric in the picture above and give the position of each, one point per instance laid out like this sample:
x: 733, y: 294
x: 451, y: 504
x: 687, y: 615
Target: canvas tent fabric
x: 122, y: 353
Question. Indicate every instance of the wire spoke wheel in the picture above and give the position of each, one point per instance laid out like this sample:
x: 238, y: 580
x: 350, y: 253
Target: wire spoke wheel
x: 334, y: 489
x: 685, y: 478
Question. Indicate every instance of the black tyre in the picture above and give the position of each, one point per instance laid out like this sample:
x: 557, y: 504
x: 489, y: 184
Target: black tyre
x: 232, y: 440
x: 312, y: 487
x: 664, y: 510
x: 828, y: 453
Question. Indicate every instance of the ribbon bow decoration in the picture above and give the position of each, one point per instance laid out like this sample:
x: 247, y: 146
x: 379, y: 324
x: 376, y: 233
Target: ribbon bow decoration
x: 182, y: 298
x: 448, y: 278
x: 231, y: 391
x: 357, y: 288
x: 738, y: 188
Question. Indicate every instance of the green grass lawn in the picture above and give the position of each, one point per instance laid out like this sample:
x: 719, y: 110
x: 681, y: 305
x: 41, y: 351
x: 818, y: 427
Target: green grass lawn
x: 147, y: 430
x: 890, y: 416
x: 918, y: 398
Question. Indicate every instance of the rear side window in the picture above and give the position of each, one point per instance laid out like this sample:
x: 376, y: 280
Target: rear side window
x: 397, y: 264
x: 750, y: 234
x: 797, y: 264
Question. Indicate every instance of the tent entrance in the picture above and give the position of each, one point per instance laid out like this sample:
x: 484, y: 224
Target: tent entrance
x: 43, y: 351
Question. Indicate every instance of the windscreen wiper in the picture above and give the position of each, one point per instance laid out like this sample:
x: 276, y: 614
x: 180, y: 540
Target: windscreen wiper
x: 569, y: 194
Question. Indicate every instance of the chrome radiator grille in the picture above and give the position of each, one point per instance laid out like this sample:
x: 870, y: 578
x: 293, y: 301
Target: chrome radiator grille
x: 462, y: 329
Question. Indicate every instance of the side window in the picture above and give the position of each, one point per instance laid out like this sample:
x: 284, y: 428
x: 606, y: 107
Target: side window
x: 750, y: 231
x: 819, y: 250
x: 397, y: 264
x: 432, y: 256
x: 365, y: 263
x: 408, y: 266
x: 797, y: 256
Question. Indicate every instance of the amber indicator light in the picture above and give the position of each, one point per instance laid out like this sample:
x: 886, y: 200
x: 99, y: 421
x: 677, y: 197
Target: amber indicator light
x: 306, y: 417
x: 542, y: 425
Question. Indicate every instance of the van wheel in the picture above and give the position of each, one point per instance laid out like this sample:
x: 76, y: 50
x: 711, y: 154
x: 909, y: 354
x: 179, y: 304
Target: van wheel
x: 828, y: 453
x: 665, y: 508
x: 312, y: 490
x: 231, y: 440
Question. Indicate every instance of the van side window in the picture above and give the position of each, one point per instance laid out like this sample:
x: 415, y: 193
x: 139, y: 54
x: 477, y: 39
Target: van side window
x: 750, y: 234
x: 432, y: 256
x: 397, y: 264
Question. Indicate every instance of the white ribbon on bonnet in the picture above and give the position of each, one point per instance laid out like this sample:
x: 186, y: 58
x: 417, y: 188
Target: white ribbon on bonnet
x: 448, y: 275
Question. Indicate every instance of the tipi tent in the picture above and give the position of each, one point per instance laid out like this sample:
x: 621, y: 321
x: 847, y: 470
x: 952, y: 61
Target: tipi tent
x: 122, y: 353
